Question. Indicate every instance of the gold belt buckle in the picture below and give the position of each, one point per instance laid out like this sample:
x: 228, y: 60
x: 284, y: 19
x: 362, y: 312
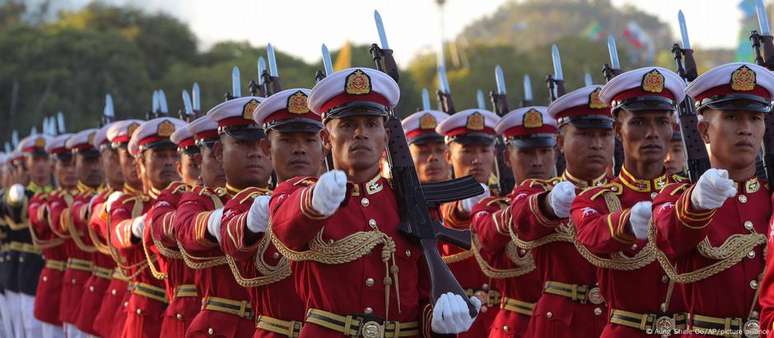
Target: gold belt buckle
x: 752, y: 328
x: 372, y: 329
x: 664, y: 326
x: 594, y: 296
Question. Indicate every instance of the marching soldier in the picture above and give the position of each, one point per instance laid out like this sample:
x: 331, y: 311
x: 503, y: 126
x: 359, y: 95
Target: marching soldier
x: 295, y: 146
x: 73, y: 224
x: 24, y: 263
x: 102, y: 269
x: 538, y: 219
x: 530, y: 135
x: 470, y: 137
x: 178, y: 279
x: 427, y: 147
x: 42, y: 210
x: 728, y: 204
x: 357, y: 273
x: 112, y: 313
x: 226, y: 309
x: 156, y: 158
x: 642, y: 102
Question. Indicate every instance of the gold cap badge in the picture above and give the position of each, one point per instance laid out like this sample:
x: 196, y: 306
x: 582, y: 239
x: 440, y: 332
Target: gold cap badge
x: 427, y: 121
x: 743, y: 79
x: 165, y: 129
x: 653, y: 82
x: 358, y: 83
x: 532, y: 119
x: 594, y: 101
x: 40, y: 142
x: 131, y: 128
x: 297, y: 103
x: 475, y: 121
x: 249, y: 108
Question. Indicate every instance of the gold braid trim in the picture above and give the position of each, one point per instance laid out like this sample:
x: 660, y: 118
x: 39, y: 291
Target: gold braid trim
x: 123, y: 268
x: 728, y: 254
x: 198, y: 263
x: 102, y: 248
x: 458, y: 257
x: 526, y: 263
x: 564, y: 233
x: 75, y: 235
x: 269, y: 274
x: 43, y: 243
x: 156, y: 272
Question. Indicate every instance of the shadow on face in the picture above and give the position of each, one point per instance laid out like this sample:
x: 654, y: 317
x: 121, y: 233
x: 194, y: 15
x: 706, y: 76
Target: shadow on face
x: 294, y: 153
x: 65, y: 173
x: 39, y: 168
x: 588, y: 152
x: 645, y: 135
x: 531, y: 162
x: 89, y: 169
x: 211, y: 169
x: 430, y: 161
x: 735, y: 136
x: 474, y: 159
x: 160, y: 166
x: 356, y: 142
x: 111, y: 167
x: 244, y: 162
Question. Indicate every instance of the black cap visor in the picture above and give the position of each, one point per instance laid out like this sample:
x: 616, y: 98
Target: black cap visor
x: 297, y: 125
x: 588, y: 122
x: 244, y: 133
x: 645, y: 103
x: 747, y: 102
x: 356, y: 108
x: 534, y: 141
x: 472, y: 138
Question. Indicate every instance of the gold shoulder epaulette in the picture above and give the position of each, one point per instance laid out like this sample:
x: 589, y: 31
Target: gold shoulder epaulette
x: 130, y: 199
x: 676, y: 188
x: 500, y: 202
x: 305, y: 181
x: 596, y: 192
x: 679, y: 178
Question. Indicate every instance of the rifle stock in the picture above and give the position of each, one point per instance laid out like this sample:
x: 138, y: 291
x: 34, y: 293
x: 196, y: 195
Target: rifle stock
x: 696, y: 152
x: 505, y: 179
x: 446, y: 103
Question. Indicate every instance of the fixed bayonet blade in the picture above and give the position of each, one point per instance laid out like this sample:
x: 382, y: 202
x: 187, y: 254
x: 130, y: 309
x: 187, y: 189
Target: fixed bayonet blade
x: 443, y: 81
x: 261, y: 69
x: 272, y: 61
x: 33, y: 131
x: 527, y: 88
x: 197, y: 97
x: 109, y: 109
x: 380, y: 30
x: 187, y: 103
x: 326, y: 60
x: 425, y: 99
x: 763, y: 18
x: 557, y: 60
x: 683, y: 30
x: 155, y: 103
x: 587, y: 80
x: 15, y: 138
x: 236, y: 86
x: 60, y: 122
x: 163, y: 101
x: 500, y: 80
x: 612, y: 49
x: 480, y: 99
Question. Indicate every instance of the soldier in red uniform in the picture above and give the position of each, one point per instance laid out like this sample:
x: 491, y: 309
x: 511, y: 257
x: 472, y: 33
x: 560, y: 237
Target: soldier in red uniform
x: 184, y: 302
x: 156, y: 158
x: 73, y: 224
x: 43, y: 208
x: 470, y: 137
x: 226, y: 309
x: 427, y: 147
x: 102, y: 267
x: 111, y: 316
x: 727, y: 203
x: 357, y: 273
x: 641, y: 298
x: 530, y: 134
x: 294, y: 143
x: 538, y: 219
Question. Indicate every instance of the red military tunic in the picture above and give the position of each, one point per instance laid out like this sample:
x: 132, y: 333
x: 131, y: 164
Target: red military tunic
x: 97, y: 283
x: 48, y: 293
x: 272, y: 292
x: 467, y: 271
x: 552, y: 243
x: 353, y: 280
x: 79, y: 254
x: 226, y: 310
x: 147, y: 299
x: 512, y: 270
x: 632, y: 281
x: 179, y: 279
x: 685, y: 234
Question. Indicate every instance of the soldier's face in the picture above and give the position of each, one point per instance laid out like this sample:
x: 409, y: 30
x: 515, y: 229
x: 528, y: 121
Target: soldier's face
x: 539, y: 162
x: 65, y: 172
x: 645, y: 135
x: 39, y: 167
x: 160, y: 166
x: 295, y: 153
x: 735, y: 137
x: 357, y: 142
x: 129, y: 168
x: 244, y: 162
x: 212, y: 170
x: 89, y: 170
x: 588, y: 152
x: 111, y: 166
x: 474, y: 159
x: 188, y: 168
x: 675, y: 160
x: 430, y: 161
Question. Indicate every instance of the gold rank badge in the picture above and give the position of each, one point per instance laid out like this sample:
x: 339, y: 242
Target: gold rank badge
x: 297, y: 103
x: 131, y: 128
x: 653, y: 82
x: 358, y: 83
x: 532, y: 119
x: 594, y: 101
x: 249, y: 108
x: 427, y: 121
x: 40, y: 142
x: 475, y: 121
x: 743, y: 79
x: 165, y: 129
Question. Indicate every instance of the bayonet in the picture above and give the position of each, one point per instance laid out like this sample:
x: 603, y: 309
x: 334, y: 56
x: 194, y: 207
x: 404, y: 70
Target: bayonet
x: 15, y: 138
x: 425, y: 99
x: 527, y: 85
x: 555, y: 82
x: 188, y: 112
x: 326, y: 60
x: 587, y: 80
x: 197, y: 98
x: 273, y: 86
x: 163, y: 108
x: 60, y: 122
x: 612, y: 69
x: 480, y: 99
x: 236, y: 86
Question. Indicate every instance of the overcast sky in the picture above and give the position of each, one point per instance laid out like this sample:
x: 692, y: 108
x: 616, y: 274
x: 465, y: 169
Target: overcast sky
x: 300, y: 26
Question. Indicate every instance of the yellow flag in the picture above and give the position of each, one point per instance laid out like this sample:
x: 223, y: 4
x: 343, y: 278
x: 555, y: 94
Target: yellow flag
x: 344, y: 59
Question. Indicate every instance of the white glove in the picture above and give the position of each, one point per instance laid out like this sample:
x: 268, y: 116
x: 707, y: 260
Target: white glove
x: 560, y: 198
x: 468, y: 203
x: 138, y: 225
x: 329, y: 191
x: 258, y: 216
x: 111, y: 199
x: 213, y: 223
x: 450, y: 314
x: 712, y: 189
x: 640, y: 218
x: 16, y: 194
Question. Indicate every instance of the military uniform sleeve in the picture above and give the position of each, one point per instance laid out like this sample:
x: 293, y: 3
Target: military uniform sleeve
x: 120, y: 226
x: 600, y: 230
x: 528, y: 220
x: 487, y: 224
x: 453, y: 218
x: 679, y: 227
x: 161, y: 218
x: 293, y: 220
x: 190, y: 224
x: 236, y: 240
x: 766, y: 299
x: 57, y: 210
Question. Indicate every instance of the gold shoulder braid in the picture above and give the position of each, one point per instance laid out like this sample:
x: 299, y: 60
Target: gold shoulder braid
x: 102, y: 248
x: 196, y: 262
x: 525, y: 264
x: 268, y: 274
x: 76, y: 237
x: 156, y: 272
x: 348, y: 249
x: 120, y: 265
